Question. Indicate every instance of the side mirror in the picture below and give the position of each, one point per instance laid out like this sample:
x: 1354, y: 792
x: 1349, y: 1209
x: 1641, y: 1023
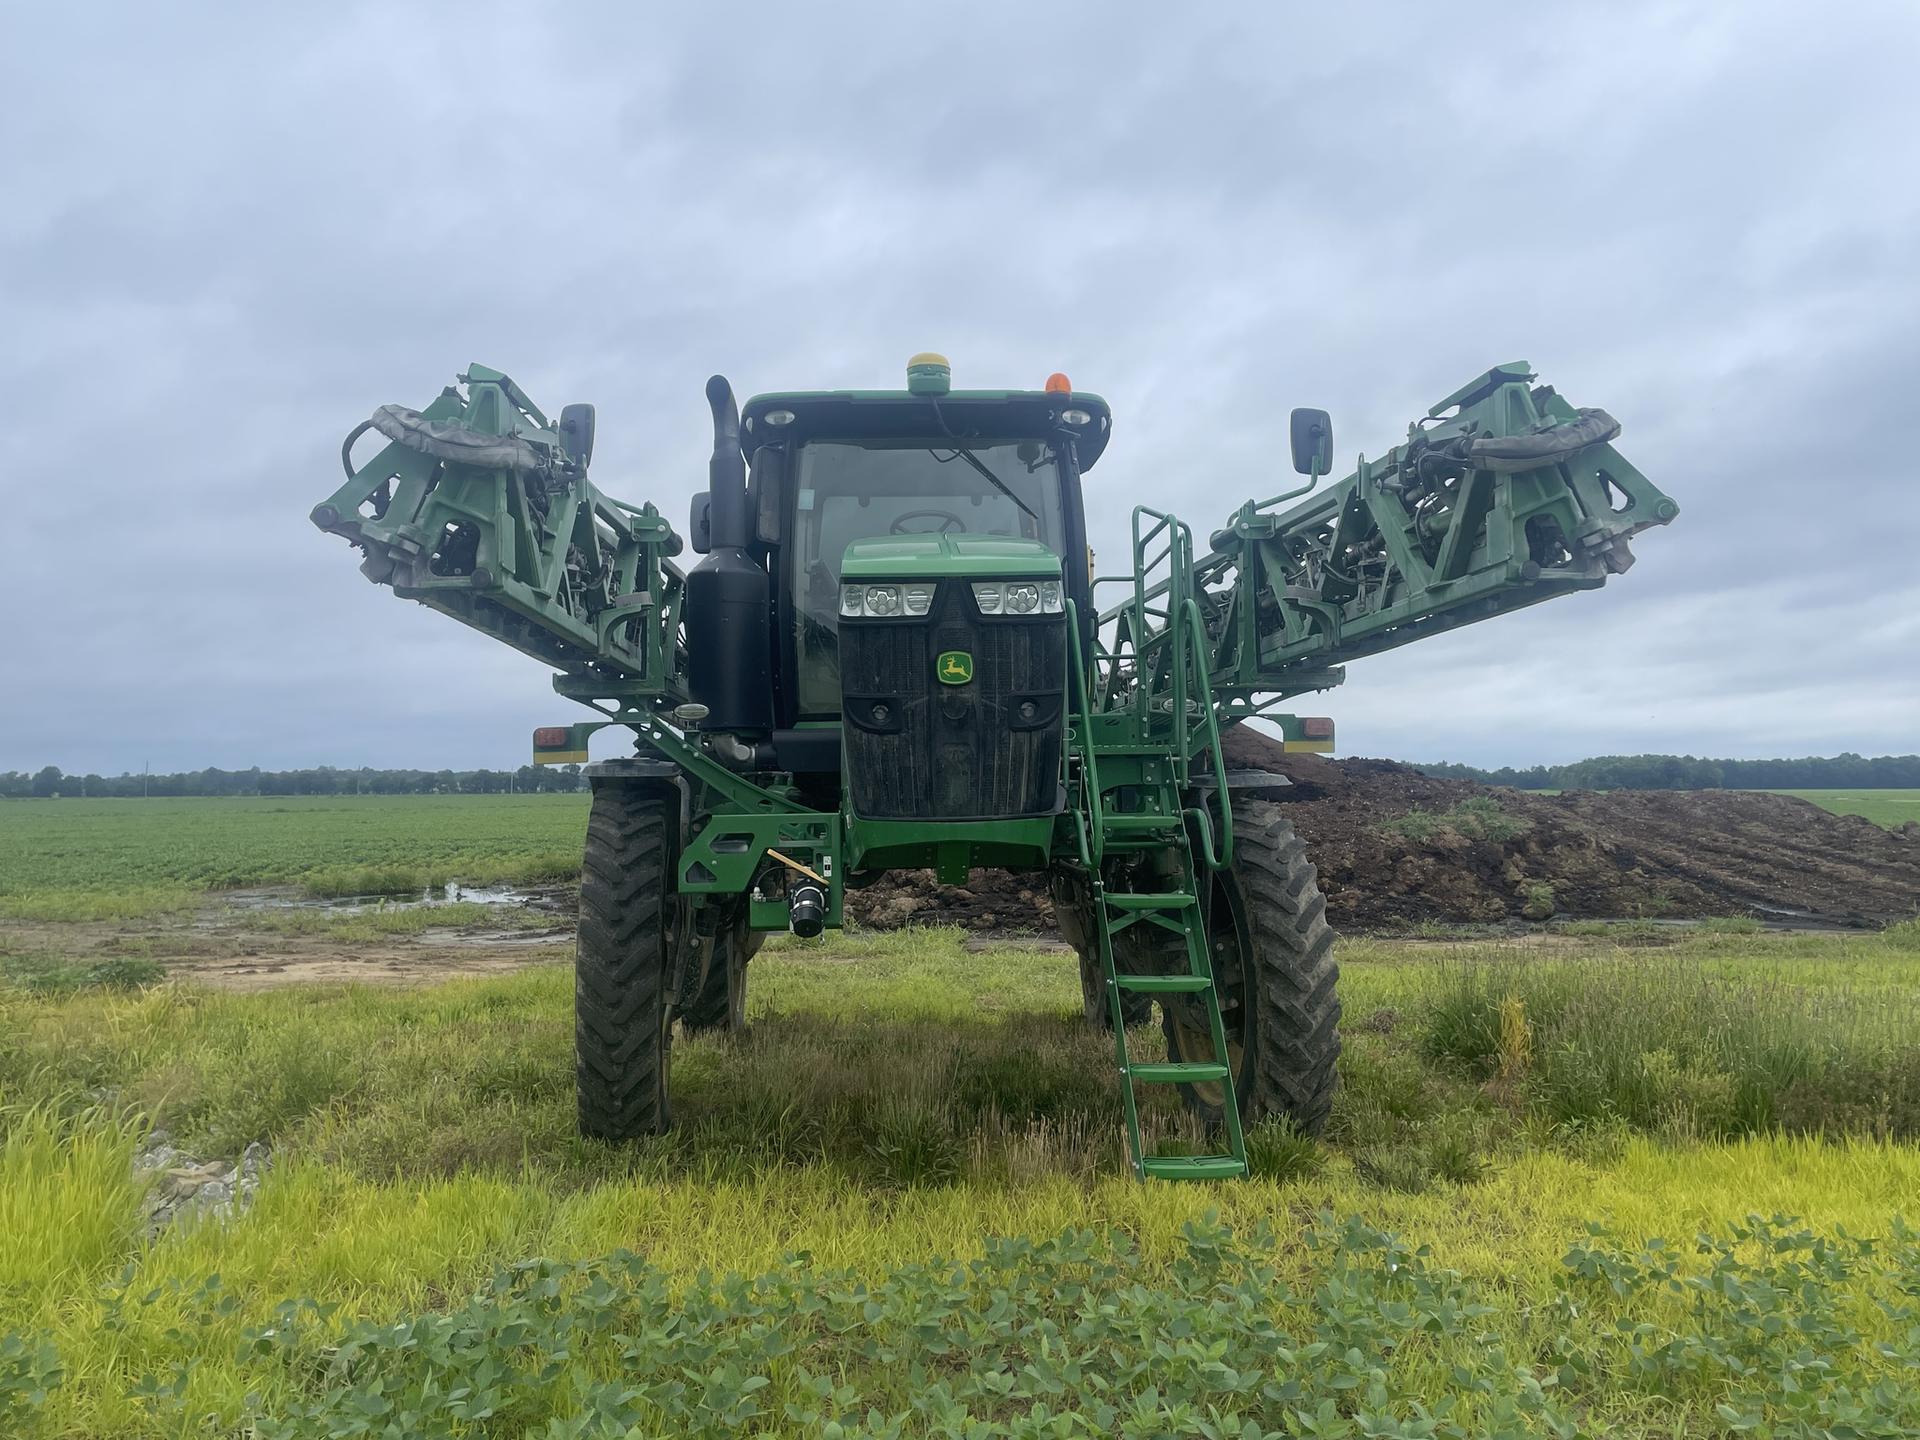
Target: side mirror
x: 1312, y: 434
x: 700, y: 523
x: 576, y: 433
x: 769, y: 491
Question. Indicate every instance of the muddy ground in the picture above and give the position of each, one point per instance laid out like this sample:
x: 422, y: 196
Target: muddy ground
x: 222, y: 947
x: 1583, y: 854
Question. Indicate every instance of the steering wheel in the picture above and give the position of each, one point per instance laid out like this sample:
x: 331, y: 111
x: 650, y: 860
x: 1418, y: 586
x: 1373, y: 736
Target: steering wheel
x: 950, y: 522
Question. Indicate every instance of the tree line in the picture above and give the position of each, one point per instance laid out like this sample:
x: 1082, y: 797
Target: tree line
x: 322, y: 780
x: 1601, y: 772
x: 1687, y: 772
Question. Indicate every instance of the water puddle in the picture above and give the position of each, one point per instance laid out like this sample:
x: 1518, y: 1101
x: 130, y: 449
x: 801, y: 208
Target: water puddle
x: 556, y: 900
x: 497, y: 939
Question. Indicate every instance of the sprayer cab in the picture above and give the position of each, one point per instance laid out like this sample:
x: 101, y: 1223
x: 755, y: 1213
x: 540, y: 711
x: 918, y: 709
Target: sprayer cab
x: 917, y: 550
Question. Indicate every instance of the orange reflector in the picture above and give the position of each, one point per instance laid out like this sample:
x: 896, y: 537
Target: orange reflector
x: 1058, y: 384
x: 553, y: 737
x: 1316, y: 727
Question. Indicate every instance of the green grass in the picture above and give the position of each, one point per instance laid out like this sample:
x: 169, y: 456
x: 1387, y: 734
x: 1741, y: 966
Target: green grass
x: 119, y: 859
x: 1891, y: 808
x: 1668, y: 1045
x: 899, y: 1099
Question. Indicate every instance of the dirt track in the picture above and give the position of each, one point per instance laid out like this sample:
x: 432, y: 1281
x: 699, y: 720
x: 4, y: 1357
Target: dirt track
x: 1604, y: 855
x: 222, y: 951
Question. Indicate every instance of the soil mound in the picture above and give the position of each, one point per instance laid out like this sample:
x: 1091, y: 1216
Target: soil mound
x: 1395, y: 847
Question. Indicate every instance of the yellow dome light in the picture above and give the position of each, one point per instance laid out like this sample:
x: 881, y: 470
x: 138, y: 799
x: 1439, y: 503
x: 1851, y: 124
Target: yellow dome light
x: 929, y: 374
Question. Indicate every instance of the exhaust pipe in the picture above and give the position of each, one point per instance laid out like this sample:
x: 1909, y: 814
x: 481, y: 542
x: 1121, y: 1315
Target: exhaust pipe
x: 728, y: 611
x: 727, y: 470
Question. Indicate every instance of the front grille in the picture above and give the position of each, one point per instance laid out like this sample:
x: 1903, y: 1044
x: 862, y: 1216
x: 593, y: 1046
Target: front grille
x: 920, y: 749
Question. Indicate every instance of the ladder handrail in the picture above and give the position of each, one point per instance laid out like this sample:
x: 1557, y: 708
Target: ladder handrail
x: 1220, y: 858
x: 1094, y: 846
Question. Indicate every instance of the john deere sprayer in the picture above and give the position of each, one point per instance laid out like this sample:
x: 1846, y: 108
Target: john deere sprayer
x: 894, y: 654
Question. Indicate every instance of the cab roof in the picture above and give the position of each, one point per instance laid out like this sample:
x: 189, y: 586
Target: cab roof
x: 956, y: 415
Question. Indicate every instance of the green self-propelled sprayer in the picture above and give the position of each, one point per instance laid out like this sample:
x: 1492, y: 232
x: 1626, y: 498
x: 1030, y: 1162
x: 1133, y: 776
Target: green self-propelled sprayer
x: 892, y: 656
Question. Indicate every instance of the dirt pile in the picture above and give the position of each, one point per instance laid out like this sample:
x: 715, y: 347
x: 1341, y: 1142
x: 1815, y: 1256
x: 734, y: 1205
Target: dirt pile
x: 1396, y: 847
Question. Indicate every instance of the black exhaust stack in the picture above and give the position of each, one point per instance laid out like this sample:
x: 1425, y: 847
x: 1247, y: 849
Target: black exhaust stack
x: 728, y: 618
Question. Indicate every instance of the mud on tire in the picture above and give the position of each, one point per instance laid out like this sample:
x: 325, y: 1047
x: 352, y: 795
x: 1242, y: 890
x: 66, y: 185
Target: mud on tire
x: 720, y: 1002
x: 621, y: 1018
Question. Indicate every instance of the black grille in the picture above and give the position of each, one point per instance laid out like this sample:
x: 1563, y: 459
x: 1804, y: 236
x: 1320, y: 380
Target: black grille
x: 920, y: 749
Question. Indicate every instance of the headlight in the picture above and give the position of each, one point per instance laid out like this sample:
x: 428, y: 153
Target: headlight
x: 880, y: 602
x: 1019, y: 597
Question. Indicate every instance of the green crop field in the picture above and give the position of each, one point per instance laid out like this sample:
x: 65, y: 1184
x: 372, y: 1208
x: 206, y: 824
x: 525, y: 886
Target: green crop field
x: 106, y: 859
x: 1883, y: 807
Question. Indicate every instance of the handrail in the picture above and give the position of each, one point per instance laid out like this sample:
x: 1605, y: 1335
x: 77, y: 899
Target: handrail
x: 1174, y: 655
x: 1093, y: 848
x: 1210, y: 723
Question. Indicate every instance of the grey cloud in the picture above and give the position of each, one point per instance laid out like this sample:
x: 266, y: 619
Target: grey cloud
x: 230, y: 233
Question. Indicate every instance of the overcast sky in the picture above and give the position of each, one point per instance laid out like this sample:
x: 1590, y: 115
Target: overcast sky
x: 227, y: 234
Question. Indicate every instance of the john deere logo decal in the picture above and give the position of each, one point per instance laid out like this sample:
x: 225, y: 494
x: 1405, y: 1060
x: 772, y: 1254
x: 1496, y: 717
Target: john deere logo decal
x: 954, y: 667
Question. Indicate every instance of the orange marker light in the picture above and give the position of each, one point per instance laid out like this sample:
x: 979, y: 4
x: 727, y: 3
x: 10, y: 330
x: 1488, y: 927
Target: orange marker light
x: 1058, y: 384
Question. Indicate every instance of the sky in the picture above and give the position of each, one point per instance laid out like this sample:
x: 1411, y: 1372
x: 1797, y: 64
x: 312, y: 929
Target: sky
x: 227, y: 233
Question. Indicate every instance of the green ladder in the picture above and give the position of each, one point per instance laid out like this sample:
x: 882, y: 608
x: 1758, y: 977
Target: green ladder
x: 1139, y: 738
x: 1176, y: 909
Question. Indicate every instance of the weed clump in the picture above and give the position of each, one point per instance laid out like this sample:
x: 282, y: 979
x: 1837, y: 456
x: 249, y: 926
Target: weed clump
x: 1677, y: 1050
x: 1478, y: 817
x: 1276, y: 1150
x: 55, y: 975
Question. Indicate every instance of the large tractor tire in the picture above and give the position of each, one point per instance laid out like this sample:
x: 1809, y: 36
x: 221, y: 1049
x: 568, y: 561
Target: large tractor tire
x: 720, y: 1002
x: 1272, y: 956
x: 621, y: 969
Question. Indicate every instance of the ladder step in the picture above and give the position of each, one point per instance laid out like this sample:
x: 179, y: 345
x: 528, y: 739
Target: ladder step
x: 1194, y: 1167
x: 1170, y: 900
x: 1162, y: 984
x: 1167, y: 1072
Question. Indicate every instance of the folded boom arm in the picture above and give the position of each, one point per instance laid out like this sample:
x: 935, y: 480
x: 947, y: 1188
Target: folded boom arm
x: 481, y: 508
x: 1502, y: 496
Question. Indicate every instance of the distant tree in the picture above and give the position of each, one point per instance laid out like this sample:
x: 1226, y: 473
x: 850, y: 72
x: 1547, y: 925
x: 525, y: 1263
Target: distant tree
x: 1686, y: 772
x: 47, y: 782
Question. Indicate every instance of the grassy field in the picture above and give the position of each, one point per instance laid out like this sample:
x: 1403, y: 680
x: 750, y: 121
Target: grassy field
x: 118, y: 859
x: 1883, y: 807
x: 909, y: 1168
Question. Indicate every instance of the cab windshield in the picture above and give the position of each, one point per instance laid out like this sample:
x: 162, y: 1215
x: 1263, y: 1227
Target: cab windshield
x: 848, y: 490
